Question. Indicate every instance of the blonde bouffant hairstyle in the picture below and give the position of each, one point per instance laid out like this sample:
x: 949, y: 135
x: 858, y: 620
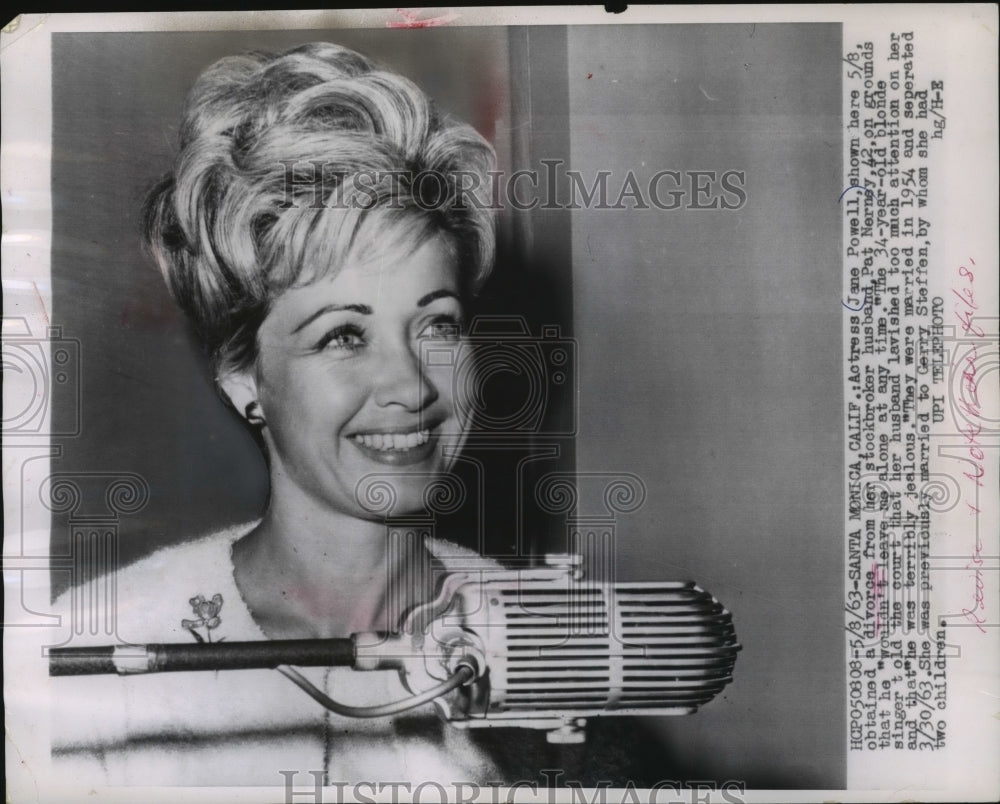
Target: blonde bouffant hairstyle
x: 292, y: 164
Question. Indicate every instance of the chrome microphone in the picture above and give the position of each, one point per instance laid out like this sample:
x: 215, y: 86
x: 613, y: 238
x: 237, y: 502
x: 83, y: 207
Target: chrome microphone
x: 550, y: 649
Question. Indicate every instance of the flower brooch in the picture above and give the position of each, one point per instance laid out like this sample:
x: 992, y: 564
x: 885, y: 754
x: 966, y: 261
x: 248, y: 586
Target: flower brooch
x: 207, y: 612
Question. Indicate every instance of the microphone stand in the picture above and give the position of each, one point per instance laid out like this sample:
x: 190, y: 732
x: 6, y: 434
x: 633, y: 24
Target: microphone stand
x: 164, y: 658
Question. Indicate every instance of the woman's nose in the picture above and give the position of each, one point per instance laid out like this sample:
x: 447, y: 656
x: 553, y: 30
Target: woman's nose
x: 402, y: 380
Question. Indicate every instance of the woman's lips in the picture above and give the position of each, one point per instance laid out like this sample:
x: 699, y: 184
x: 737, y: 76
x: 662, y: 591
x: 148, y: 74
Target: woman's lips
x: 396, y: 449
x: 394, y: 441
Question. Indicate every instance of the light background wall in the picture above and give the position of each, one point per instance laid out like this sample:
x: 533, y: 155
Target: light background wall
x: 710, y: 363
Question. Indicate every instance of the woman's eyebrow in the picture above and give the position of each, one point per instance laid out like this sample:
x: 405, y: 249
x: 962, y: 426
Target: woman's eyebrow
x: 364, y: 309
x: 423, y: 301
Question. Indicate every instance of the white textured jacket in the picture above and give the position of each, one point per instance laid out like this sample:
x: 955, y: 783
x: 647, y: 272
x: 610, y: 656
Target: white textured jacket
x: 242, y: 727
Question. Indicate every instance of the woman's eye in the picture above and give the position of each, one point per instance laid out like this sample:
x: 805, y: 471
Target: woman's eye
x: 347, y: 338
x: 444, y: 328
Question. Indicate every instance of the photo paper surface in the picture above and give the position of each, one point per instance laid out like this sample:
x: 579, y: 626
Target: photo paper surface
x: 613, y: 396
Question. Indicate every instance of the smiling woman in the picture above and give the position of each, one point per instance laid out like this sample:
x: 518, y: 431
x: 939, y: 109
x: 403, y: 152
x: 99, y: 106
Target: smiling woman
x: 334, y: 330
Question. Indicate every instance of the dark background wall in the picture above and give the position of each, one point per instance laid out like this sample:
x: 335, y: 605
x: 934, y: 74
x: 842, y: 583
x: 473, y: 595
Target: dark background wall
x: 707, y: 342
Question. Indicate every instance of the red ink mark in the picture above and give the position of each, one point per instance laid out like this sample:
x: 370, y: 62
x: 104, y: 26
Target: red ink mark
x: 410, y: 19
x: 966, y: 297
x: 979, y: 595
x: 41, y: 303
x: 967, y: 306
x: 971, y: 407
x: 971, y: 615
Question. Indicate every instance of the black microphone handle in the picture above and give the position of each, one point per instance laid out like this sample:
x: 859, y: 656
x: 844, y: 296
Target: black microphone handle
x: 159, y: 658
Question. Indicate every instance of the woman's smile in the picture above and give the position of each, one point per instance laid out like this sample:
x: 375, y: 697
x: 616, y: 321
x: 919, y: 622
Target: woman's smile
x: 399, y: 448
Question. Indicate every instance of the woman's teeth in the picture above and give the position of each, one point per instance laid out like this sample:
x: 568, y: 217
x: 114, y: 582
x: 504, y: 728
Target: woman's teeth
x: 397, y: 441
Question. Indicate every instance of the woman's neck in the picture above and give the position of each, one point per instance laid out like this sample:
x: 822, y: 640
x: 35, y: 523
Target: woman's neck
x: 310, y: 572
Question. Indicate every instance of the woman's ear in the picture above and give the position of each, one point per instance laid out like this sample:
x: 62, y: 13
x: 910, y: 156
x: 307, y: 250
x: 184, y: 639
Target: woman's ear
x: 240, y: 388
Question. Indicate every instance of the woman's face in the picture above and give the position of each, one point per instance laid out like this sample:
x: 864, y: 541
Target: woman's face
x: 345, y: 385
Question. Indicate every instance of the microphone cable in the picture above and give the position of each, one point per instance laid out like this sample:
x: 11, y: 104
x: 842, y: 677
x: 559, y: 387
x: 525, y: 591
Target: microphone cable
x: 462, y: 675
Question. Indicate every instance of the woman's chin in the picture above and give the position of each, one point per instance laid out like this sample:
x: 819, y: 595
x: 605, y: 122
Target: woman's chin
x: 405, y: 489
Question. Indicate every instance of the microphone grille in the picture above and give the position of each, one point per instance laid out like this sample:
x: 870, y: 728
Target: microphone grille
x: 641, y: 648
